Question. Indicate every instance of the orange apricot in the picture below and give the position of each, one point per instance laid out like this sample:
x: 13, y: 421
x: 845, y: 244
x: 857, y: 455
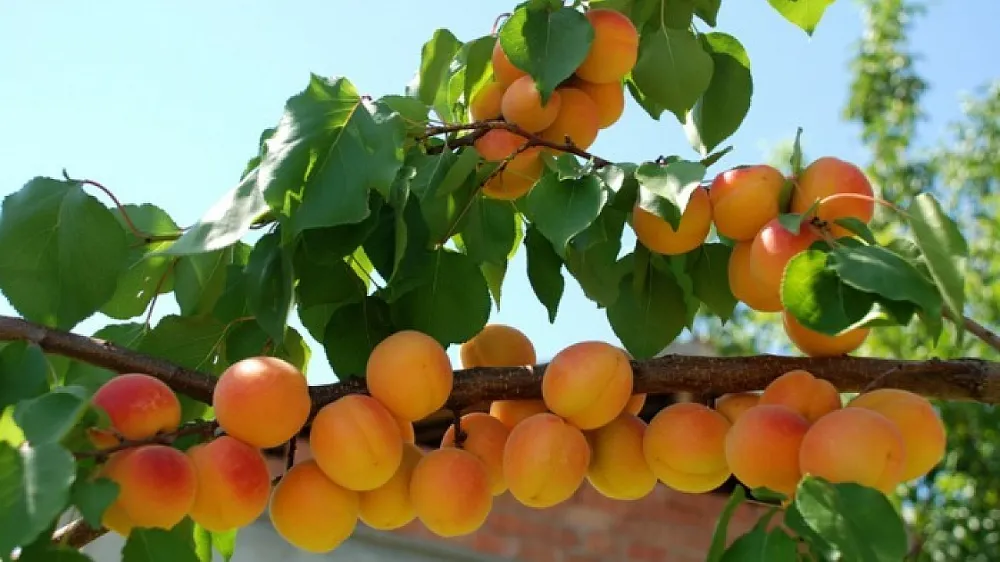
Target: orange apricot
x: 498, y: 345
x: 486, y: 103
x: 388, y: 507
x: 685, y: 447
x: 356, y: 442
x: 614, y: 49
x: 744, y: 199
x: 772, y: 249
x: 138, y: 406
x: 545, y: 460
x: 578, y: 119
x: 588, y: 383
x: 498, y: 144
x: 485, y: 437
x: 635, y: 404
x: 513, y: 412
x: 609, y: 97
x: 854, y: 445
x: 922, y: 429
x: 310, y: 511
x: 817, y: 344
x: 102, y: 438
x: 518, y: 177
x: 804, y: 393
x: 262, y: 401
x: 660, y: 237
x: 618, y: 467
x: 743, y: 283
x: 522, y: 105
x: 234, y: 484
x: 450, y: 492
x: 733, y: 405
x: 829, y: 177
x: 409, y: 372
x: 762, y: 447
x: 156, y: 488
x: 504, y: 71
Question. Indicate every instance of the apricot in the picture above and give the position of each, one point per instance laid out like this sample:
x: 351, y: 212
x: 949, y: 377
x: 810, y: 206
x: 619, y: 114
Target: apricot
x: 388, y: 507
x: 498, y: 144
x: 733, y: 405
x: 545, y: 460
x: 614, y: 49
x: 310, y: 511
x: 156, y: 488
x: 262, y: 401
x: 485, y: 437
x: 685, y: 447
x: 522, y: 105
x: 804, y: 393
x: 923, y: 432
x: 817, y: 344
x: 744, y: 199
x: 102, y: 438
x: 762, y: 447
x: 504, y: 71
x: 234, y: 484
x: 356, y: 442
x: 588, y: 383
x: 854, y: 445
x: 578, y: 119
x: 409, y: 372
x: 829, y: 177
x: 486, y: 103
x: 513, y: 412
x: 609, y: 97
x: 635, y: 404
x: 618, y: 467
x: 498, y: 345
x: 660, y: 237
x: 743, y: 283
x: 772, y: 249
x: 519, y: 175
x: 138, y: 406
x: 450, y: 492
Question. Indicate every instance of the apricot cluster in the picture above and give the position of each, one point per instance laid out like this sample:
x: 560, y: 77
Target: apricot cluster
x: 592, y: 99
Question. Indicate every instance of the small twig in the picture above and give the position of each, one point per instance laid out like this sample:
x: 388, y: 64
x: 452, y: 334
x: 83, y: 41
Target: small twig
x: 460, y: 434
x: 982, y: 332
x: 878, y: 381
x: 77, y: 534
x: 199, y: 427
x: 144, y: 236
x: 496, y: 23
x: 156, y: 290
x: 290, y: 454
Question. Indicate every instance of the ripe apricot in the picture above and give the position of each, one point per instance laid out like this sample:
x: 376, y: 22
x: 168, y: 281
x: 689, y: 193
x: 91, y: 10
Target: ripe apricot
x: 138, y: 406
x: 578, y: 119
x: 685, y: 447
x: 743, y: 283
x: 772, y: 249
x: 262, y: 401
x: 609, y: 97
x: 504, y: 71
x: 618, y: 467
x: 518, y: 177
x: 522, y: 105
x: 498, y: 345
x: 388, y: 507
x: 614, y: 49
x: 829, y: 176
x: 156, y: 488
x: 588, y: 383
x: 804, y: 393
x: 310, y: 511
x: 485, y: 437
x: 660, y: 237
x: 102, y: 438
x: 356, y: 442
x: 512, y: 412
x: 545, y: 460
x: 635, y: 404
x: 450, y: 492
x: 733, y: 405
x: 762, y: 447
x: 816, y: 344
x: 854, y: 445
x: 234, y: 484
x: 486, y: 103
x: 497, y: 144
x: 409, y: 372
x: 744, y: 199
x: 922, y: 429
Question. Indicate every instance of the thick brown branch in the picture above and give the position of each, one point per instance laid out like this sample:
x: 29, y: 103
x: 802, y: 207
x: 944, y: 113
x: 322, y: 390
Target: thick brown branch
x: 203, y: 428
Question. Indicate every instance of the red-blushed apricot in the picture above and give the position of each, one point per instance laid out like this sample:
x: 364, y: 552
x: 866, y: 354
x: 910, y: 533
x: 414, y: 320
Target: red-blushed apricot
x: 406, y: 430
x: 733, y: 405
x: 609, y: 97
x: 310, y: 511
x: 138, y: 405
x: 614, y: 49
x: 485, y: 437
x: 804, y: 393
x: 486, y: 103
x: 497, y: 144
x: 772, y: 249
x: 262, y: 401
x: 388, y: 507
x: 743, y: 283
x: 545, y: 460
x: 618, y: 467
x: 854, y: 445
x: 635, y: 404
x: 513, y: 412
x: 829, y: 176
x: 504, y: 71
x: 450, y: 492
x: 588, y: 383
x: 409, y: 372
x: 816, y: 344
x: 102, y: 438
x: 498, y: 345
x: 922, y: 429
x: 234, y: 484
x: 517, y: 178
x: 744, y: 199
x: 356, y: 442
x: 762, y: 447
x: 660, y: 237
x: 578, y: 119
x: 684, y: 446
x: 156, y: 487
x: 522, y: 105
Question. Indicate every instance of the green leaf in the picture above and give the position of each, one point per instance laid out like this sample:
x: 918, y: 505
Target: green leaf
x: 944, y: 248
x: 200, y: 280
x: 804, y: 13
x: 710, y: 277
x: 647, y: 321
x: 93, y: 497
x: 494, y: 274
x: 204, y: 541
x: 352, y: 333
x: 40, y: 552
x: 269, y: 285
x: 722, y: 525
x: 858, y: 228
x: 435, y: 60
x: 90, y: 377
x: 412, y: 111
x: 324, y: 282
x: 225, y: 543
x: 562, y: 209
x: 459, y: 172
x: 61, y: 252
x: 50, y: 417
x: 878, y: 270
x: 195, y: 343
x: 226, y: 221
x: 146, y: 273
x: 792, y: 222
x: 476, y: 55
x: 549, y: 44
x: 23, y: 372
x: 725, y: 103
x: 157, y: 545
x: 544, y: 270
x: 666, y: 190
x: 762, y: 545
x: 708, y: 10
x: 34, y: 489
x: 489, y: 230
x: 812, y: 292
x: 671, y: 73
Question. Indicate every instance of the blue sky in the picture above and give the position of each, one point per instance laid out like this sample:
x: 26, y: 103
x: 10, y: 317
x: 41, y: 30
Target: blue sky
x: 163, y: 102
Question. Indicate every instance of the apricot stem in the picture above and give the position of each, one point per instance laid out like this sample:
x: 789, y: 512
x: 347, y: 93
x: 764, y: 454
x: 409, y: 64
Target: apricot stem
x: 862, y: 197
x: 290, y: 454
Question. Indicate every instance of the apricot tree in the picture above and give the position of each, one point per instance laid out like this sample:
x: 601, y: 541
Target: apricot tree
x: 388, y: 225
